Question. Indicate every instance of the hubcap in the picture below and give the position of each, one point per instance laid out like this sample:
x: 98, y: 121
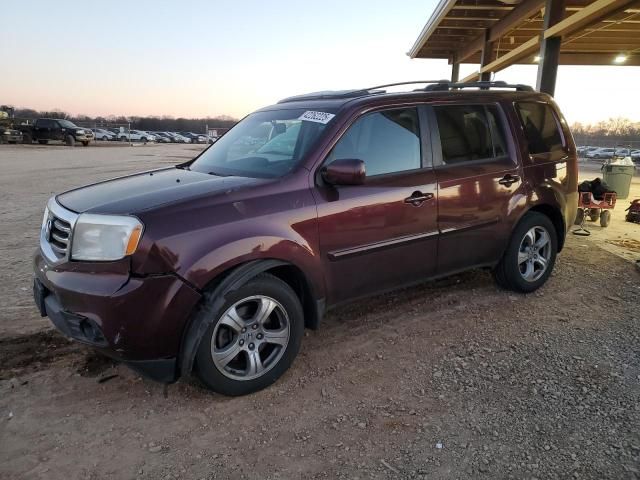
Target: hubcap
x: 250, y: 338
x: 534, y: 254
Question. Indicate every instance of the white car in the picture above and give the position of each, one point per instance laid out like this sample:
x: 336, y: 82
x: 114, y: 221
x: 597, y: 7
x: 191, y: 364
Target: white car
x: 136, y: 136
x: 102, y: 134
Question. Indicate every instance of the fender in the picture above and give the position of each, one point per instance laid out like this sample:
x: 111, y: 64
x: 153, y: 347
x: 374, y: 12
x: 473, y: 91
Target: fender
x: 201, y: 321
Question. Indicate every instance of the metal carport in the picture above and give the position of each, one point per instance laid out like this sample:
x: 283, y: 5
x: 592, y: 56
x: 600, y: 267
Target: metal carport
x: 497, y: 34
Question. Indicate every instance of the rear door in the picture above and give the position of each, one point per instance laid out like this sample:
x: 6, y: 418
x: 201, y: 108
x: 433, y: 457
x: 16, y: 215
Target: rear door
x: 479, y: 184
x: 380, y: 235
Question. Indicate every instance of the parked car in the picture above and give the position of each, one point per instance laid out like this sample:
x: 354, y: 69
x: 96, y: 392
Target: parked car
x: 102, y: 134
x: 10, y: 135
x: 136, y: 136
x: 179, y: 138
x: 635, y: 155
x: 601, y: 153
x: 45, y: 130
x: 162, y: 137
x: 195, y: 137
x: 218, y: 264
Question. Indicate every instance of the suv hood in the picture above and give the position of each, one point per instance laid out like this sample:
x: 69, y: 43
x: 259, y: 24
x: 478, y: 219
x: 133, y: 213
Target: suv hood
x: 143, y: 191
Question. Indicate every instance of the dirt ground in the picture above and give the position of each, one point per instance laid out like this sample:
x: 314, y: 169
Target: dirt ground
x: 450, y: 379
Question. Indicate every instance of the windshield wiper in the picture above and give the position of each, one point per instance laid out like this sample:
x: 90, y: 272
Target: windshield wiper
x: 183, y: 166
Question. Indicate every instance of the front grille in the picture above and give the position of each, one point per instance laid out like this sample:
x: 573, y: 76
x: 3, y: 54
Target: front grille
x: 59, y: 233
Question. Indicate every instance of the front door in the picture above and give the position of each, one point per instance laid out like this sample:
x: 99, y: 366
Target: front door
x: 382, y: 234
x: 479, y: 185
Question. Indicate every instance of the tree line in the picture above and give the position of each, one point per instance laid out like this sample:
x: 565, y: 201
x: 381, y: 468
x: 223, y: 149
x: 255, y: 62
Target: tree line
x: 153, y: 123
x: 617, y: 128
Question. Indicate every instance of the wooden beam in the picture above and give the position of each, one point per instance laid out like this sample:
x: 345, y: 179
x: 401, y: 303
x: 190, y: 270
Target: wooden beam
x: 515, y: 17
x: 587, y: 16
x: 509, y: 58
x: 471, y: 78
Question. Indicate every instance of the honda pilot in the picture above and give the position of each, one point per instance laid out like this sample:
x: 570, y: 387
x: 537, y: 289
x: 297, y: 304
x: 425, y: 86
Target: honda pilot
x: 217, y: 265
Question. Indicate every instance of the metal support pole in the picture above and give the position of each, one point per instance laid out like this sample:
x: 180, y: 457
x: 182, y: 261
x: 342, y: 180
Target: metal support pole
x: 486, y: 57
x: 550, y: 48
x: 455, y: 70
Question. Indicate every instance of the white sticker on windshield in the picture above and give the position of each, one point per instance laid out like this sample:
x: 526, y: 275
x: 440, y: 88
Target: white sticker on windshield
x: 318, y: 117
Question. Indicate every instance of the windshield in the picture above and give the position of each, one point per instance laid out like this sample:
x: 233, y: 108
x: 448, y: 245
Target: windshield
x: 264, y: 145
x: 66, y: 124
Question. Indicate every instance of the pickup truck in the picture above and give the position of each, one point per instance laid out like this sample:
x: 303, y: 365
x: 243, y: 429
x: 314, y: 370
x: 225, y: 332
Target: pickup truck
x: 45, y: 130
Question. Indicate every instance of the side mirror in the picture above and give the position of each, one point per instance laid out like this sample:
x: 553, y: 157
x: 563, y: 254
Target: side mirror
x: 347, y: 171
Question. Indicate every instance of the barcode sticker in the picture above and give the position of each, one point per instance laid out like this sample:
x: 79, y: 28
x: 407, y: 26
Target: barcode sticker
x: 318, y: 117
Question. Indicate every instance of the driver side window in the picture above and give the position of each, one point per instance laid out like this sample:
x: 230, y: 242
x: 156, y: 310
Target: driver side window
x: 386, y: 141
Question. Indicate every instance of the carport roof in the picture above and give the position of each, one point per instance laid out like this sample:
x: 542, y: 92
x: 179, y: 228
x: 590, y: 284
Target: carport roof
x: 603, y: 32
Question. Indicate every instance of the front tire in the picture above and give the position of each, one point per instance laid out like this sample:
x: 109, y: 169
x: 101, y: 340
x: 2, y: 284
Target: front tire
x: 70, y: 140
x: 530, y: 255
x: 43, y: 142
x: 254, y: 338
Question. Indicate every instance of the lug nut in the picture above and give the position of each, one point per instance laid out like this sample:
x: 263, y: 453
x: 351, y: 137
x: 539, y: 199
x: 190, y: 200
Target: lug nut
x: 251, y: 346
x: 243, y: 330
x: 255, y: 325
x: 259, y: 336
x: 241, y: 342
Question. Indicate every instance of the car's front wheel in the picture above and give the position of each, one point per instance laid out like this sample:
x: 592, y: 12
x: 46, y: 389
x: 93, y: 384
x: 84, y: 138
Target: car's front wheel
x: 530, y: 256
x: 253, y: 339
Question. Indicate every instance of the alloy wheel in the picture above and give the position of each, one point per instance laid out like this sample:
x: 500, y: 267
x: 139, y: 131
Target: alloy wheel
x: 250, y: 338
x: 534, y: 253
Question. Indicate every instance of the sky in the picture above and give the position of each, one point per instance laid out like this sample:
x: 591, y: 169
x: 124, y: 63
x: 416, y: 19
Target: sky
x: 197, y: 58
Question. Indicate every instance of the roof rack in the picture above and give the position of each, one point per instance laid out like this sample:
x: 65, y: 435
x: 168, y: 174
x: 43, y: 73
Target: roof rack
x: 338, y: 94
x: 443, y: 86
x: 433, y: 86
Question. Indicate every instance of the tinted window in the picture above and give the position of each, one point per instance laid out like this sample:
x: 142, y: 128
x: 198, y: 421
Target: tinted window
x: 540, y: 127
x: 469, y: 132
x: 386, y: 142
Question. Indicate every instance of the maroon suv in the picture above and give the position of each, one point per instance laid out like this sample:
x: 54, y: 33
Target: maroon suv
x: 218, y: 264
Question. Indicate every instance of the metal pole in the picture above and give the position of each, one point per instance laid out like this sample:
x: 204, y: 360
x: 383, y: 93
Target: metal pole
x: 550, y: 48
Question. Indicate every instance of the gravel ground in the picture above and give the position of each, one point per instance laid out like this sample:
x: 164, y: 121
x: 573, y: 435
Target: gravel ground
x: 450, y: 379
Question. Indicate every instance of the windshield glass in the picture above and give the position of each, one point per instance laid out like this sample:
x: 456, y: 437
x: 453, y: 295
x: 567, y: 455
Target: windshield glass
x: 264, y: 144
x: 66, y: 124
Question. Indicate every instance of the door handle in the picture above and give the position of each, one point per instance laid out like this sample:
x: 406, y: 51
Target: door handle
x: 417, y: 198
x: 509, y: 179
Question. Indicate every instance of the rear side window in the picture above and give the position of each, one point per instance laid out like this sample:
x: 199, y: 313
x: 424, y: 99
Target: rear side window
x: 469, y: 133
x: 387, y: 142
x: 540, y: 127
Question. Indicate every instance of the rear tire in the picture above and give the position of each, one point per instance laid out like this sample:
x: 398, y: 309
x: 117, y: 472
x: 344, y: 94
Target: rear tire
x: 605, y: 218
x: 594, y: 214
x: 277, y: 337
x: 70, y: 140
x: 530, y: 256
x: 27, y: 138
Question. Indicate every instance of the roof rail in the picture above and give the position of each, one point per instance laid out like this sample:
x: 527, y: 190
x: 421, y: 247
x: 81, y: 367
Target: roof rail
x: 327, y: 95
x: 433, y: 86
x: 442, y: 86
x: 338, y: 94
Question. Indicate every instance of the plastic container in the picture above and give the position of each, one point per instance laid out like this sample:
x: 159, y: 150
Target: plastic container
x: 618, y: 178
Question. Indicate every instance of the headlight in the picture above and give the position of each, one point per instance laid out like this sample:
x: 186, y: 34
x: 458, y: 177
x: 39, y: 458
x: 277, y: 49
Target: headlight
x: 105, y: 237
x: 80, y: 132
x: 7, y: 132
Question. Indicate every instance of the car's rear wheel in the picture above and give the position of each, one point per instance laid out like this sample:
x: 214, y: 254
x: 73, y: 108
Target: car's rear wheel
x: 530, y: 256
x: 254, y: 338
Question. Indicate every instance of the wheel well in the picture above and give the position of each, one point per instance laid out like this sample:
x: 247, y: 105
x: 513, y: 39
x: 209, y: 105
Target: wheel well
x: 556, y: 218
x: 294, y: 277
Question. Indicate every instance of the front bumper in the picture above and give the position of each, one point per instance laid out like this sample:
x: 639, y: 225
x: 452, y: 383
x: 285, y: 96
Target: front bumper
x: 136, y: 320
x: 12, y: 137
